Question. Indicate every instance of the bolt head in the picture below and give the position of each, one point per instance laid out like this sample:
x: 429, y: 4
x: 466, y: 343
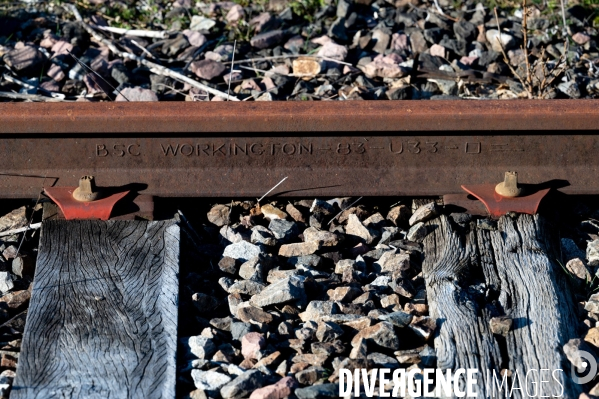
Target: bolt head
x: 509, y: 187
x: 87, y: 190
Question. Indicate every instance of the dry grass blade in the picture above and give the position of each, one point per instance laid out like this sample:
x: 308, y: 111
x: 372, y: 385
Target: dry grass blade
x: 231, y: 72
x: 269, y: 191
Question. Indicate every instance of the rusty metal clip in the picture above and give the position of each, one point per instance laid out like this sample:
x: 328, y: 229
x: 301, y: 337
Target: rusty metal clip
x: 508, y: 196
x: 85, y: 201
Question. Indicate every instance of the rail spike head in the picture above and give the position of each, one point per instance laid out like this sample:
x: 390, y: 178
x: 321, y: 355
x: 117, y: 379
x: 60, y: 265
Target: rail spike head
x: 509, y: 186
x: 87, y: 190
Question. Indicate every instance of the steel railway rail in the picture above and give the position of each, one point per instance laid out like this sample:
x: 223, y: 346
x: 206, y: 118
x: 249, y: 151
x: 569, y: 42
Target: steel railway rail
x: 326, y: 148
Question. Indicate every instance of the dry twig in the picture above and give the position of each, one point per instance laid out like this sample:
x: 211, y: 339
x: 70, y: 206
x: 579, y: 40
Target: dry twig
x: 507, y: 60
x: 133, y: 32
x: 30, y: 97
x: 33, y: 226
x: 531, y: 81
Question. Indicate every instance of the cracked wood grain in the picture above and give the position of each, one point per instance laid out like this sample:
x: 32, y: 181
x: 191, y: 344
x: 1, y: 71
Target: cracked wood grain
x: 102, y: 321
x: 474, y: 275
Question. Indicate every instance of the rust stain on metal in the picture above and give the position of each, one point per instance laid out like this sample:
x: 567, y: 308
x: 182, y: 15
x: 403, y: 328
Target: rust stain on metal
x: 326, y: 148
x: 331, y: 116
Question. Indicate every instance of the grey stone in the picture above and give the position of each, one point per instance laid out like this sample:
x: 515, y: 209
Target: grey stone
x: 209, y: 380
x: 284, y: 230
x: 225, y: 282
x: 23, y: 266
x: 136, y: 94
x: 423, y: 326
x: 328, y: 331
x: 201, y: 347
x: 507, y: 41
x: 337, y: 29
x: 344, y: 264
x: 383, y: 361
x: 418, y: 42
x: 223, y: 323
x: 267, y: 39
x: 239, y: 330
x: 228, y: 265
x: 13, y: 220
x: 242, y: 251
x: 299, y: 249
x: 6, y: 380
x: 381, y: 334
x: 251, y: 314
x: 320, y: 206
x: 388, y: 234
x: 465, y: 30
x: 264, y: 22
x: 318, y: 391
x: 316, y: 309
x: 570, y: 89
x: 424, y: 213
x: 327, y: 348
x: 246, y: 287
x: 200, y: 23
x: 593, y: 253
x: 344, y: 294
x: 398, y: 319
x: 310, y: 375
x: 344, y: 8
x: 173, y: 46
x: 578, y: 269
x: 254, y: 269
x: 234, y: 301
x: 261, y: 235
x: 234, y: 234
x: 6, y: 282
x: 243, y: 385
x: 392, y: 262
x: 307, y: 261
x: 381, y: 39
x: 592, y: 304
x: 283, y: 291
x: 357, y: 229
x: 417, y: 232
x: 381, y: 281
x: 326, y: 238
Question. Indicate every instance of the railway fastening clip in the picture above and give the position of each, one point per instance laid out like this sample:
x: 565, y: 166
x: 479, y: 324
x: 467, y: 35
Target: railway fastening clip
x: 508, y: 196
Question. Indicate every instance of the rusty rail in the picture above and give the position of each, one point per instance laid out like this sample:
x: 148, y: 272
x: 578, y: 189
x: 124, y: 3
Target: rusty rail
x: 326, y: 148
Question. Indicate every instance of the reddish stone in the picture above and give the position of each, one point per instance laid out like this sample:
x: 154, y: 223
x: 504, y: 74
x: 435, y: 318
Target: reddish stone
x: 207, y: 69
x: 283, y: 388
x: 251, y: 344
